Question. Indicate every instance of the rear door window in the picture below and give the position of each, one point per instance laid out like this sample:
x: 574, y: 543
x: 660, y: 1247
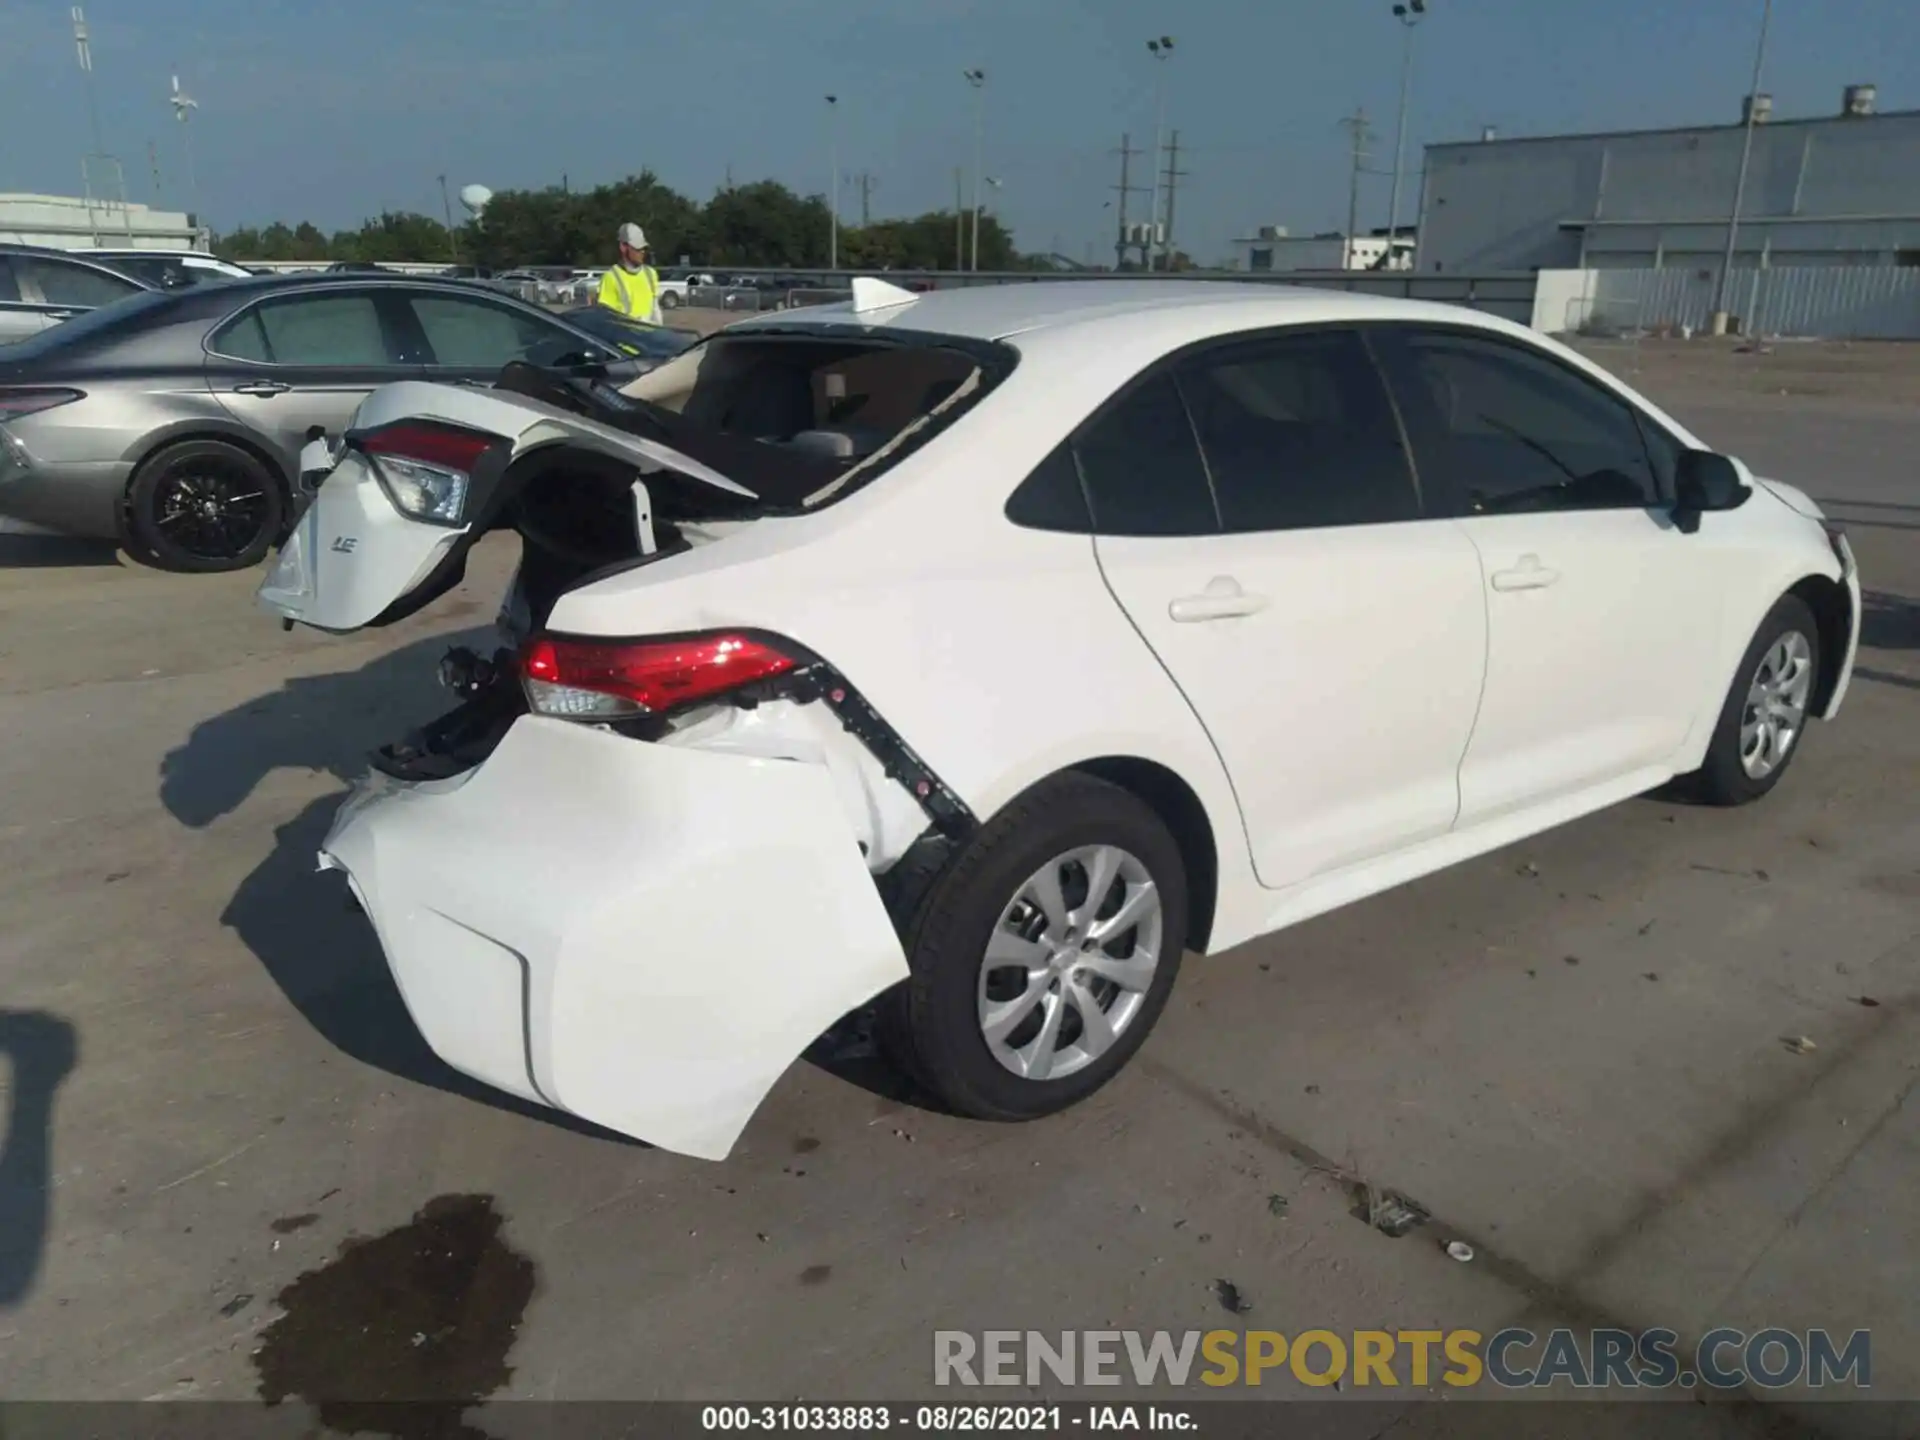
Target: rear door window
x: 1143, y: 471
x: 327, y: 330
x: 80, y: 286
x: 1298, y: 433
x: 9, y: 287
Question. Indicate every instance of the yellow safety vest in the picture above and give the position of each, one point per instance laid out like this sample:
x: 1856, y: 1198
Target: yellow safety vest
x: 631, y: 293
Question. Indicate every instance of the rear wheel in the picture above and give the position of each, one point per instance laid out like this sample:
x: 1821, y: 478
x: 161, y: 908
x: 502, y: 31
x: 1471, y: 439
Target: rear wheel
x: 669, y: 300
x: 1045, y: 954
x: 203, y: 505
x: 1766, y: 712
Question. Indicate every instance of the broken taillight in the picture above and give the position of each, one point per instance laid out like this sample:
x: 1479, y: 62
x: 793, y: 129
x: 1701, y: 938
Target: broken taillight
x: 426, y: 468
x: 612, y: 679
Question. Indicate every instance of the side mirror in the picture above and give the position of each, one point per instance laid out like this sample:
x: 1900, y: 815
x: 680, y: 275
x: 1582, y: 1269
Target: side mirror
x: 1705, y: 482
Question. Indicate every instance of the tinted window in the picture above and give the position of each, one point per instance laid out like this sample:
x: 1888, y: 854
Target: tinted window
x: 474, y: 335
x: 1142, y: 469
x: 1500, y: 429
x: 308, y: 330
x: 1051, y: 498
x: 9, y: 287
x: 1297, y: 433
x: 77, y: 285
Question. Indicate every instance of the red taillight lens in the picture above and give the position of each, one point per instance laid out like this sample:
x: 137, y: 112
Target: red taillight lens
x: 443, y: 445
x: 604, y: 680
x: 15, y: 403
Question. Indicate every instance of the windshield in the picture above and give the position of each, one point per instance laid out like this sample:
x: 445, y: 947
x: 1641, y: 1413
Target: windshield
x: 72, y: 332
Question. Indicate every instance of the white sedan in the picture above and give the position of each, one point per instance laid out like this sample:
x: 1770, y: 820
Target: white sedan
x: 986, y: 650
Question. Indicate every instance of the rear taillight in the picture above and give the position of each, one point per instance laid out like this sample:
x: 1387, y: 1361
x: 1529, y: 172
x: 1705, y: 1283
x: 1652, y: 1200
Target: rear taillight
x: 612, y: 679
x: 16, y: 403
x: 426, y: 468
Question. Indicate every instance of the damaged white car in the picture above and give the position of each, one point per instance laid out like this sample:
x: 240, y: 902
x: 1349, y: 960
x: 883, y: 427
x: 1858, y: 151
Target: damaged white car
x: 986, y: 650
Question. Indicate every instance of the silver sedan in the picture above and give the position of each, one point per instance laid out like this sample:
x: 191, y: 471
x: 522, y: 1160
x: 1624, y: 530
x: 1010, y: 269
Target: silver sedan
x: 173, y: 422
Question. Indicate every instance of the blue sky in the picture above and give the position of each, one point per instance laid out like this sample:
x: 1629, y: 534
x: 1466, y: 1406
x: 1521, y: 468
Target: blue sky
x: 336, y: 109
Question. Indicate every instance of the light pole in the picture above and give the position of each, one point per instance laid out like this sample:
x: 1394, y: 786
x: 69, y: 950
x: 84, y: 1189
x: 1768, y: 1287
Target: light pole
x: 994, y: 183
x: 1740, y: 183
x: 833, y: 195
x: 1161, y: 50
x: 1409, y: 15
x: 977, y: 78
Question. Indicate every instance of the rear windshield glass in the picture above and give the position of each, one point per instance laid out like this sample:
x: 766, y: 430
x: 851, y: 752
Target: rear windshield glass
x: 82, y: 327
x: 803, y: 419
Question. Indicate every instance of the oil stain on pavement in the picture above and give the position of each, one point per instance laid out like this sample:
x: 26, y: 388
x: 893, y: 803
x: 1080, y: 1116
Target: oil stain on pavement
x: 400, y: 1333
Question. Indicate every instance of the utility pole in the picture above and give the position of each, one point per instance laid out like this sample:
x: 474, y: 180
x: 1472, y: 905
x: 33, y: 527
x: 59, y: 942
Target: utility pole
x: 1174, y: 176
x: 1357, y: 125
x: 866, y: 199
x: 1127, y: 152
x: 959, y: 220
x: 1740, y: 184
x: 153, y: 161
x: 453, y: 237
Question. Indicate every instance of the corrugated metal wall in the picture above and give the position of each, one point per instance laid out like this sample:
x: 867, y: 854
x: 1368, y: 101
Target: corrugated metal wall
x: 1825, y: 301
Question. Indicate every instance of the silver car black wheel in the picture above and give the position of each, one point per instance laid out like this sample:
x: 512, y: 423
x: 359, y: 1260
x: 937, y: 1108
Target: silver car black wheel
x: 1069, y: 962
x: 1776, y: 705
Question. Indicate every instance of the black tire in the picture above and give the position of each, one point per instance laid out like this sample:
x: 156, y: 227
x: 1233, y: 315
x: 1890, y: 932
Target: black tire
x: 203, y: 506
x: 1724, y: 778
x: 931, y: 1025
x: 669, y: 300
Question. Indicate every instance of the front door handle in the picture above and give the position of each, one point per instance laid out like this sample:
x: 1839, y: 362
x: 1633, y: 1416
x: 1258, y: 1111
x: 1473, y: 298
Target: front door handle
x: 1529, y: 574
x: 262, y: 388
x: 1223, y: 599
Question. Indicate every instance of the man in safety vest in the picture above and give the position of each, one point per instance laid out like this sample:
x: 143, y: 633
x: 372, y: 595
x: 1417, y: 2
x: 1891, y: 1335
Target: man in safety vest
x: 632, y: 288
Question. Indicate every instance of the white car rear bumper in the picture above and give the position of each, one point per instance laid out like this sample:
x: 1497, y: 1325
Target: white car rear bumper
x: 645, y: 936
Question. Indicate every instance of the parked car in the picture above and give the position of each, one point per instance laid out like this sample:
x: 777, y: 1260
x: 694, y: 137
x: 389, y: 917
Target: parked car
x: 41, y: 287
x: 174, y: 421
x: 985, y: 650
x: 168, y: 269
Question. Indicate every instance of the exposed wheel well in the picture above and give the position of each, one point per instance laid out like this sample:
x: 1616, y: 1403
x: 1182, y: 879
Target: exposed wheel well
x: 1834, y: 614
x: 1180, y: 810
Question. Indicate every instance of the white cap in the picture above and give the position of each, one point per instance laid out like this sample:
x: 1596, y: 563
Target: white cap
x: 633, y: 236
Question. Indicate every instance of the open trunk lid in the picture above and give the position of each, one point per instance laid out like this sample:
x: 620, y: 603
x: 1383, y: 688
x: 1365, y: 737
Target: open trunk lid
x: 457, y: 456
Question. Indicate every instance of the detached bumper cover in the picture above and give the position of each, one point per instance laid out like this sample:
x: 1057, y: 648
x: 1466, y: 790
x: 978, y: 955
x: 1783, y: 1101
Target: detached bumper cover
x: 644, y: 936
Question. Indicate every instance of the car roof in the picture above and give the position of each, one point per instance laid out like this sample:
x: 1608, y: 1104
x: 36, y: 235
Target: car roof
x: 1202, y: 307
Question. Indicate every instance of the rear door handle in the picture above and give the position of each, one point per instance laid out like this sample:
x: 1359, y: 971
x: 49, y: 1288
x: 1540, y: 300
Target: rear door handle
x: 262, y: 388
x: 1529, y: 574
x: 1223, y: 599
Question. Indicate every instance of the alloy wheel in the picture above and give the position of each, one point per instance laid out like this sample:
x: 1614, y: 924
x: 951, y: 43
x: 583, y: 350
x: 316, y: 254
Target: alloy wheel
x: 1070, y: 961
x: 1776, y: 708
x: 210, y: 510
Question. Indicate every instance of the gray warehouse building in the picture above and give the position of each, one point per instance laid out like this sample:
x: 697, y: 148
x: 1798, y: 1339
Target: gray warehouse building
x: 1840, y: 189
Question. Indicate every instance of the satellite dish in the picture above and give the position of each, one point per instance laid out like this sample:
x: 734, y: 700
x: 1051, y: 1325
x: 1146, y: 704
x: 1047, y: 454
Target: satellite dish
x: 475, y: 197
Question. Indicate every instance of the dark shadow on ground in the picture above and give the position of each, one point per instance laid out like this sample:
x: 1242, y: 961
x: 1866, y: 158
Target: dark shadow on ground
x: 305, y: 927
x: 1889, y: 622
x: 40, y: 1051
x: 32, y: 552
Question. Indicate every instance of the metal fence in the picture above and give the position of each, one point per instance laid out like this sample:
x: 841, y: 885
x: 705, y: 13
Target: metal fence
x: 1834, y: 302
